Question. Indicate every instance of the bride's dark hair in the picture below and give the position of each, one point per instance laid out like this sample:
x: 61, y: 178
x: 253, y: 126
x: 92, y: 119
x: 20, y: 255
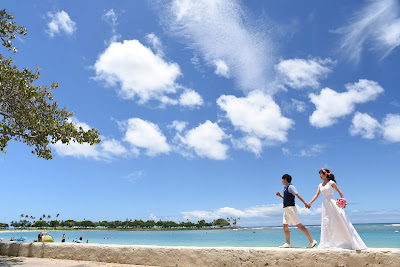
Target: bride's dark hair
x: 328, y: 173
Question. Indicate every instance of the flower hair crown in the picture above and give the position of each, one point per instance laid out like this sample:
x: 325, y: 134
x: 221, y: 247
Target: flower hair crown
x: 326, y: 173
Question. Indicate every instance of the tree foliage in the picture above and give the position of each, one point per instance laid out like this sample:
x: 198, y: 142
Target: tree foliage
x: 29, y: 113
x: 127, y: 224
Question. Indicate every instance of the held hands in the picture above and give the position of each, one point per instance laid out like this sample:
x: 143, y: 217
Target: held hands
x: 307, y: 205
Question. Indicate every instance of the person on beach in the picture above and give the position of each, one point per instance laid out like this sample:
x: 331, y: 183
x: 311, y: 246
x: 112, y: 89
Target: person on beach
x: 336, y: 229
x: 290, y: 211
x: 63, y: 238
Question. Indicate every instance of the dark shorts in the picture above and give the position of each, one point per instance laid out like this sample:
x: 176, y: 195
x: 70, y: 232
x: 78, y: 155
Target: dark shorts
x: 63, y: 240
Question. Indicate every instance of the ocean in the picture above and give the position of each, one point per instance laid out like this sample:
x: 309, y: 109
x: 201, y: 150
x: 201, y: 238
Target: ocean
x: 374, y: 235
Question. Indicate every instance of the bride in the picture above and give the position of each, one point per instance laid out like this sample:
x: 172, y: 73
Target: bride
x: 336, y: 229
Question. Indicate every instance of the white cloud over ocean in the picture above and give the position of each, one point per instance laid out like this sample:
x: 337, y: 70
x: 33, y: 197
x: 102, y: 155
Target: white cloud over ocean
x: 259, y: 211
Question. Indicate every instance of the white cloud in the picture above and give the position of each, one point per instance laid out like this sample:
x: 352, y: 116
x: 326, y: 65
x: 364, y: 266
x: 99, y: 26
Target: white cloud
x: 179, y: 126
x: 155, y: 43
x: 153, y: 217
x: 250, y: 143
x: 138, y: 70
x: 113, y: 147
x: 111, y: 18
x: 60, y: 22
x: 391, y: 127
x: 206, y: 141
x: 369, y: 128
x: 103, y: 151
x: 146, y: 135
x: 221, y: 69
x: 298, y: 105
x: 77, y: 150
x: 190, y: 98
x: 331, y: 105
x: 376, y: 26
x: 258, y: 117
x: 286, y: 151
x: 222, y: 31
x: 364, y: 125
x: 311, y: 151
x: 302, y: 73
x: 135, y: 176
x: 261, y: 211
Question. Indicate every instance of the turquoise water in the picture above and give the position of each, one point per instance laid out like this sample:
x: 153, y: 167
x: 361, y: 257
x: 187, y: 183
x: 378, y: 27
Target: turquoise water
x: 374, y: 235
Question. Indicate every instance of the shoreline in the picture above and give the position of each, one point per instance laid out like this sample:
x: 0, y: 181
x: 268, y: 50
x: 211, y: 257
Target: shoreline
x: 113, y: 229
x: 200, y: 256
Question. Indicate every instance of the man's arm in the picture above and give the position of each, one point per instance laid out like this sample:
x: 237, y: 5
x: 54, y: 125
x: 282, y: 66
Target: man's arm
x: 279, y: 195
x: 302, y: 200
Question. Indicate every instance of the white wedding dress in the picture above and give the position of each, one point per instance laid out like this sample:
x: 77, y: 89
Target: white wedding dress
x: 336, y: 229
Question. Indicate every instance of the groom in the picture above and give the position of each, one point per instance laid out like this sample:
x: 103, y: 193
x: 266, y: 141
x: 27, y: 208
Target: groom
x: 290, y: 212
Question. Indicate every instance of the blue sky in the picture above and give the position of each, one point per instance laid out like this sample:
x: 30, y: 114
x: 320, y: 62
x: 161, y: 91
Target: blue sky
x: 202, y: 106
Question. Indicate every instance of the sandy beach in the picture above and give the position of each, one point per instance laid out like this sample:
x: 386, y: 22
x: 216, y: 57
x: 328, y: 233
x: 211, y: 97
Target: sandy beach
x: 37, y: 262
x: 200, y: 256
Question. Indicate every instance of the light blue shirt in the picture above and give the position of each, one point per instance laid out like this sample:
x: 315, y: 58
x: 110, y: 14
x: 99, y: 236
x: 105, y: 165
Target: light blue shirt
x: 292, y: 190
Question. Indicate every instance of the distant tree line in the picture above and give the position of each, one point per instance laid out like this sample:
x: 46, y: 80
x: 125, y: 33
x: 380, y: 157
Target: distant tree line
x: 46, y: 222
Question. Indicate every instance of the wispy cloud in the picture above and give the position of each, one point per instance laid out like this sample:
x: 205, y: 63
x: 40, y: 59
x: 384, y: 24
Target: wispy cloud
x: 310, y: 151
x: 111, y: 18
x: 135, y: 176
x: 60, y: 23
x: 331, y: 105
x: 376, y: 26
x: 298, y: 105
x: 227, y: 38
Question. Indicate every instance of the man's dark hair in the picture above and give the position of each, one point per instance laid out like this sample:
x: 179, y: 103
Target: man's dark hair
x: 287, y: 177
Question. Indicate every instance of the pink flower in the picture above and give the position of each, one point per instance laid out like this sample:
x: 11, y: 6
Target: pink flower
x: 341, y: 203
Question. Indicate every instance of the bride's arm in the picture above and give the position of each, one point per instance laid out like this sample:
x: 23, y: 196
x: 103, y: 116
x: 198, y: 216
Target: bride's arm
x: 315, y: 197
x: 337, y: 189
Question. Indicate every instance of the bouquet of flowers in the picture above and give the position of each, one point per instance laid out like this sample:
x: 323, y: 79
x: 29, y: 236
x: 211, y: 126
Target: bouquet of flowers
x: 341, y: 203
